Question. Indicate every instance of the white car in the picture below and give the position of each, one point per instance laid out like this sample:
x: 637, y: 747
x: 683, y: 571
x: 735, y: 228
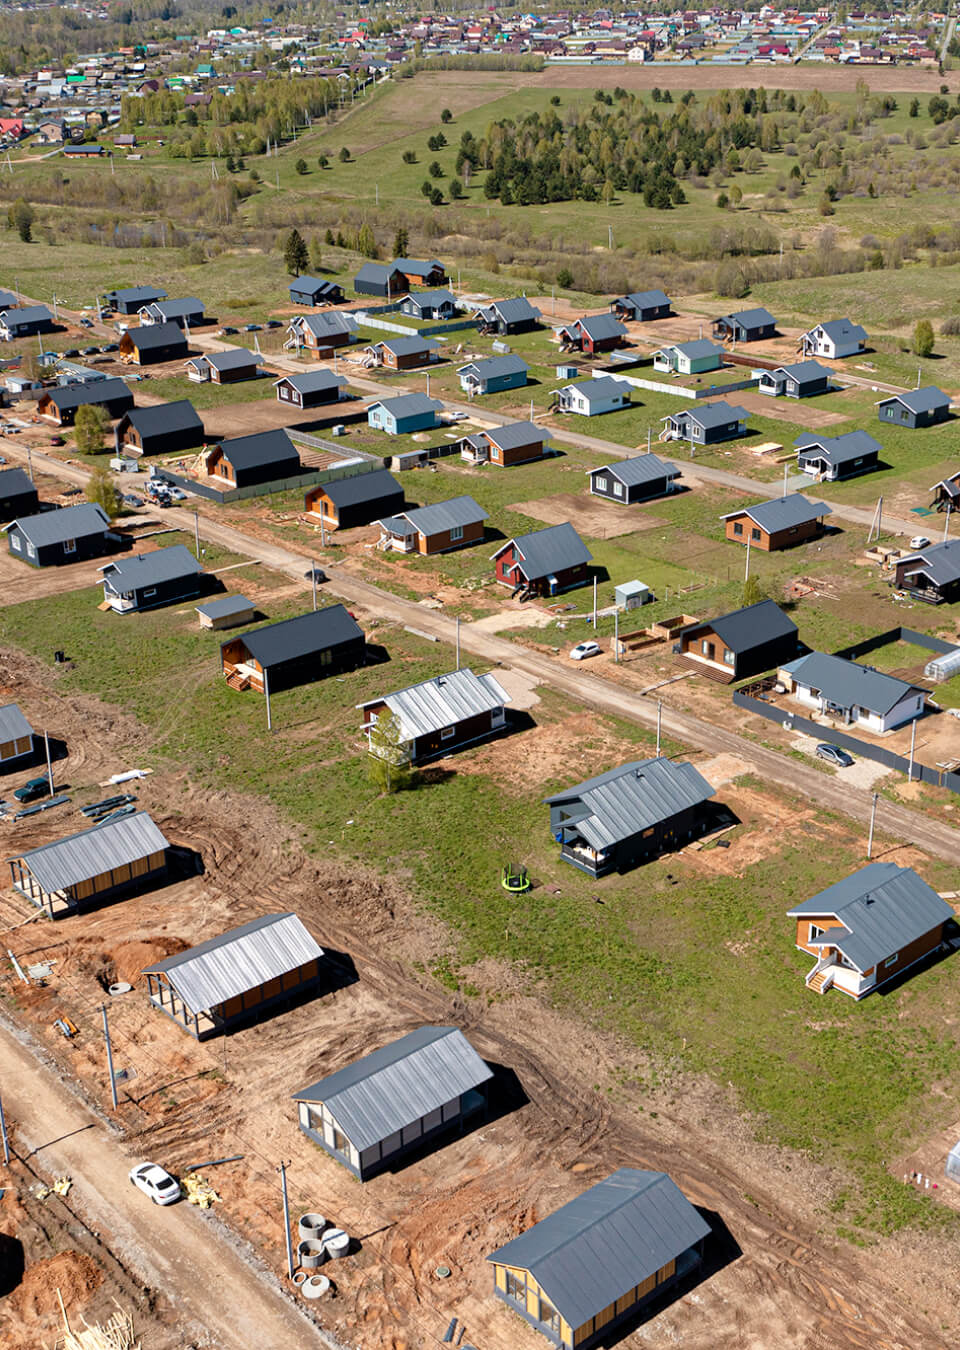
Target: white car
x: 160, y: 1186
x: 584, y: 649
x: 919, y: 541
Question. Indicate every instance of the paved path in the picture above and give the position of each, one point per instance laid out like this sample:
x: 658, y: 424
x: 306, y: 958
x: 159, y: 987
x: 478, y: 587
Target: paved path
x: 174, y: 1249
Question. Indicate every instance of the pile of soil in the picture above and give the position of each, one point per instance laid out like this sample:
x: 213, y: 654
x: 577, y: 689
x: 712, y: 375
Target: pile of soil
x: 75, y: 1274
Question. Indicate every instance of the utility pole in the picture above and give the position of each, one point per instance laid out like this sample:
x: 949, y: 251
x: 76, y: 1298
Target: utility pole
x: 659, y: 723
x: 266, y: 690
x: 648, y: 439
x: 376, y: 188
x: 616, y: 635
x: 323, y: 531
x: 196, y: 532
x: 784, y: 480
x: 30, y: 463
x: 946, y: 523
x: 594, y: 602
x: 313, y: 576
x: 46, y: 746
x: 3, y: 1136
x: 746, y: 570
x: 428, y: 384
x: 106, y: 1035
x: 286, y: 1218
x: 913, y: 743
x: 458, y: 644
x: 610, y: 237
x: 873, y: 818
x: 56, y: 313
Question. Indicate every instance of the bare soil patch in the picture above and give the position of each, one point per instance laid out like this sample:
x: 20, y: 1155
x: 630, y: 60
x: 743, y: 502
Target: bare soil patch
x: 589, y: 515
x: 797, y: 411
x: 827, y: 78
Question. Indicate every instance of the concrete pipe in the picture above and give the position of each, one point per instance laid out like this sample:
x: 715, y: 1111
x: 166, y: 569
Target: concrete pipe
x: 315, y: 1287
x: 337, y: 1243
x: 311, y: 1225
x: 299, y: 1277
x: 311, y: 1253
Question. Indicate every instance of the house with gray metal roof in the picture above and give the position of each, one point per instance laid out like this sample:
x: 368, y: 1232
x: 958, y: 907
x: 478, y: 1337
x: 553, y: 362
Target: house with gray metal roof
x: 294, y: 651
x: 103, y: 862
x: 440, y: 715
x: 508, y: 316
x: 149, y: 580
x: 128, y: 299
x: 591, y: 398
x: 404, y: 414
x: 262, y: 458
x: 621, y: 818
x: 239, y: 363
x: 637, y: 479
x: 237, y: 976
x: 456, y: 523
x: 434, y: 304
x: 320, y: 333
x: 869, y: 928
x: 641, y: 306
x: 746, y: 325
x: 345, y: 503
x: 184, y: 312
x: 60, y: 405
x: 226, y: 611
x: 402, y: 353
x: 25, y: 321
x: 851, y: 694
x: 149, y: 344
x: 422, y: 271
x: 917, y: 408
x: 372, y: 1113
x: 780, y: 523
x: 830, y: 457
x: 946, y: 493
x: 506, y: 445
x: 69, y: 534
x: 315, y: 291
x: 544, y: 562
x: 597, y: 1260
x: 16, y: 735
x: 740, y: 644
x: 385, y: 279
x: 688, y: 358
x: 800, y: 379
x: 493, y: 374
x: 707, y: 423
x: 163, y: 428
x: 834, y: 339
x: 592, y: 334
x: 932, y: 575
x: 311, y: 388
x: 18, y: 496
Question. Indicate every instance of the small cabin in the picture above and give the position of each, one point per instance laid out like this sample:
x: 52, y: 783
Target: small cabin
x: 294, y: 652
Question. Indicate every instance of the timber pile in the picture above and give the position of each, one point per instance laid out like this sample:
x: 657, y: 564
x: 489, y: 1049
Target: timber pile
x: 115, y: 1334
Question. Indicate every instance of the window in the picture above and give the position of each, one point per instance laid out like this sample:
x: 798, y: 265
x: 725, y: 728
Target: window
x: 340, y: 1142
x: 617, y: 489
x: 729, y: 657
x: 516, y: 1288
x: 150, y: 592
x: 31, y: 551
x: 891, y: 960
x: 815, y: 932
x: 456, y: 532
x: 15, y: 543
x: 447, y: 733
x: 549, y: 1316
x: 706, y: 647
x: 601, y: 484
x: 69, y: 545
x: 737, y: 527
x: 754, y: 533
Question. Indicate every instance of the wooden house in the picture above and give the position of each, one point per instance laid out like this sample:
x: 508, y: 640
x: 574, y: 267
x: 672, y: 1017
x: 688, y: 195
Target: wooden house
x: 688, y: 358
x: 226, y: 611
x: 263, y: 457
x: 834, y: 339
x: 747, y: 325
x: 917, y: 408
x: 311, y: 389
x: 828, y: 458
x: 16, y: 736
x: 70, y: 534
x: 544, y: 562
x: 402, y: 353
x: 456, y: 523
x: 946, y: 493
x: 441, y: 715
x: 593, y: 334
x: 493, y: 374
x: 641, y: 306
x: 637, y: 479
x: 433, y: 304
x: 97, y: 864
x: 593, y: 398
x: 18, y: 496
x: 348, y: 502
x: 294, y: 651
x: 740, y: 644
x: 851, y: 694
x: 780, y: 523
x: 621, y: 818
x: 60, y: 405
x: 404, y: 414
x: 315, y: 291
x: 380, y: 279
x: 321, y: 334
x: 164, y: 428
x: 507, y: 316
x: 146, y: 346
x: 707, y: 423
x: 597, y: 1260
x: 869, y: 928
x: 512, y: 443
x: 131, y: 299
x: 186, y: 312
x: 224, y: 367
x: 800, y: 379
x: 405, y: 1096
x: 25, y: 321
x: 150, y: 580
x: 238, y: 976
x: 421, y: 271
x: 932, y: 575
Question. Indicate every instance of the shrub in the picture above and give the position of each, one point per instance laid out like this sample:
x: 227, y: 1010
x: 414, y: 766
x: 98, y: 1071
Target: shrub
x: 951, y: 327
x: 344, y: 155
x: 301, y: 167
x: 923, y: 338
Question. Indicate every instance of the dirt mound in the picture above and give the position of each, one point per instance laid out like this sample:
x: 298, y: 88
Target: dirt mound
x: 75, y: 1274
x: 129, y: 958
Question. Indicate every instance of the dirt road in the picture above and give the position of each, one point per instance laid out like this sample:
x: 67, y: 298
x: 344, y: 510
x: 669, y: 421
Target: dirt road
x: 174, y: 1249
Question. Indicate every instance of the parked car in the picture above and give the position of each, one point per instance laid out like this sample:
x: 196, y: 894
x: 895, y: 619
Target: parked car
x: 72, y: 351
x: 131, y: 499
x: 85, y: 323
x: 33, y: 790
x: 273, y: 323
x: 176, y: 493
x: 251, y: 328
x: 155, y: 1182
x: 833, y: 754
x: 110, y: 347
x: 584, y: 649
x: 89, y: 351
x: 228, y: 332
x: 919, y: 541
x: 315, y: 574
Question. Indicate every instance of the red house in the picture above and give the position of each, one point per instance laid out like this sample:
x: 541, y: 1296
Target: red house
x: 544, y: 562
x: 595, y: 333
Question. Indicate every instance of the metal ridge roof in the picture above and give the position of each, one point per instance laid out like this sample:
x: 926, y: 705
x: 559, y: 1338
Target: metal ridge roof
x: 645, y: 299
x: 97, y: 391
x: 301, y: 636
x: 848, y: 684
x: 752, y: 626
x: 116, y: 843
x: 839, y: 449
x: 549, y: 550
x: 627, y: 800
x: 940, y: 562
x: 26, y: 314
x: 67, y: 522
x: 920, y: 400
x: 146, y: 569
x: 13, y: 725
x: 602, y: 1244
x: 240, y: 959
x: 782, y: 513
x: 403, y: 346
x: 601, y: 386
x: 512, y: 434
x: 711, y: 414
x: 749, y: 318
x: 802, y: 370
x: 443, y: 701
x: 260, y: 447
x: 180, y: 415
x: 237, y: 356
x: 439, y: 516
x: 308, y: 381
x: 407, y: 404
x: 638, y: 469
x: 362, y: 487
x: 384, y: 1091
x: 491, y: 366
x: 156, y: 334
x: 224, y: 605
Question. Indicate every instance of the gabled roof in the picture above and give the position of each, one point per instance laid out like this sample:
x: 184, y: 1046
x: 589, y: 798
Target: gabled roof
x: 380, y: 1094
x: 553, y: 549
x: 235, y: 359
x: 243, y: 958
x: 68, y: 522
x: 302, y: 636
x: 882, y: 908
x: 749, y: 318
x: 693, y: 350
x: 261, y: 447
x: 362, y: 487
x: 515, y: 310
x: 442, y: 702
x: 611, y: 1238
x: 148, y: 569
x: 839, y: 449
x: 164, y: 418
x: 752, y: 626
x: 783, y: 513
x: 625, y: 801
x: 407, y: 346
x: 313, y: 284
x: 638, y: 469
x: 67, y: 396
x: 801, y: 371
x: 172, y: 309
x: 225, y: 605
x: 132, y: 295
x: 371, y: 271
x: 115, y: 843
x: 710, y: 415
x: 27, y: 314
x: 321, y: 325
x: 841, y: 330
x: 603, y: 387
x: 13, y: 725
x: 431, y: 299
x: 597, y: 326
x: 311, y: 381
x: 420, y: 267
x: 407, y: 405
x: 434, y: 519
x: 846, y: 684
x: 14, y: 483
x: 644, y: 299
x: 940, y: 562
x: 156, y: 335
x: 493, y: 367
x: 513, y: 434
x: 920, y: 400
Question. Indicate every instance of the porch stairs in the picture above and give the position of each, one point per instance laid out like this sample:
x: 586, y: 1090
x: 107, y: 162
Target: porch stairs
x: 821, y: 981
x: 707, y: 671
x: 237, y: 681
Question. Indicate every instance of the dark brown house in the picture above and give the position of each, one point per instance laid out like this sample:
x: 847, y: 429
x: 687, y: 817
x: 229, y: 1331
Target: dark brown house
x: 294, y: 652
x: 740, y: 644
x: 442, y: 714
x: 777, y: 524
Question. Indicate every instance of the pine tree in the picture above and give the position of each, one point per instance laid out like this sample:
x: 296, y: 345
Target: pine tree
x: 295, y: 253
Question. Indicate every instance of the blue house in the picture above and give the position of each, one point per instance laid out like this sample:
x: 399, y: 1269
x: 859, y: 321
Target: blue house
x: 493, y: 375
x: 403, y: 414
x: 436, y: 304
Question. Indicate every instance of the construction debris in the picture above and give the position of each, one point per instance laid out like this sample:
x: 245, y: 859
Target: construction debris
x: 61, y: 1186
x: 115, y: 1334
x: 198, y: 1190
